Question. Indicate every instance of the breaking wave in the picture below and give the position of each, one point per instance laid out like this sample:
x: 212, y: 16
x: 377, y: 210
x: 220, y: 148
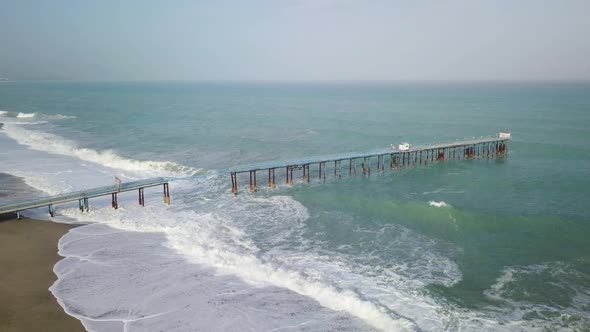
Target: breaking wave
x: 54, y: 144
x: 26, y: 115
x: 438, y: 204
x: 35, y: 115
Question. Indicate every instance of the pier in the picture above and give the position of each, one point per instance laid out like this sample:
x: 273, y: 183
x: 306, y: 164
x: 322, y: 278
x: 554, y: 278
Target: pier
x: 83, y: 197
x: 393, y: 158
x: 347, y: 163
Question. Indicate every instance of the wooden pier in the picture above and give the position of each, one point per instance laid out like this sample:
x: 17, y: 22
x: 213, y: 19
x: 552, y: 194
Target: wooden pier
x: 485, y: 147
x: 83, y: 196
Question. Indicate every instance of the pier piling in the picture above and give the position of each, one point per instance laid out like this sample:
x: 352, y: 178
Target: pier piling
x: 114, y: 203
x: 166, y: 194
x: 141, y: 197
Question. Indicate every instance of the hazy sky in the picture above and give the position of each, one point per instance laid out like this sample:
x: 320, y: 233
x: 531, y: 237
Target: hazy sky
x: 295, y: 40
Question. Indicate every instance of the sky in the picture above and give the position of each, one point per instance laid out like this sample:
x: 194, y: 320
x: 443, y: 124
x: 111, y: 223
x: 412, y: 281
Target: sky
x: 295, y: 40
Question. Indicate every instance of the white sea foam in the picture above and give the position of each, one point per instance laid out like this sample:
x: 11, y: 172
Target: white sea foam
x: 213, y: 240
x: 115, y: 280
x: 35, y: 115
x: 51, y: 143
x: 438, y: 204
x: 514, y: 286
x: 58, y: 117
x: 25, y: 115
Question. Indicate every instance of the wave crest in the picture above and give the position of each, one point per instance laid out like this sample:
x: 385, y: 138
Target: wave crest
x: 36, y: 115
x: 57, y: 145
x: 438, y: 204
x: 21, y: 115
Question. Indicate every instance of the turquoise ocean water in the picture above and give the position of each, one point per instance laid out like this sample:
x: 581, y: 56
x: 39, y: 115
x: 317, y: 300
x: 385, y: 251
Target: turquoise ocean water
x: 494, y: 244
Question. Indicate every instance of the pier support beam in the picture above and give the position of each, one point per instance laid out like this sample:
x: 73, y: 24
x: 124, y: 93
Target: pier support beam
x: 322, y: 169
x: 141, y: 198
x: 271, y: 178
x: 306, y: 174
x: 166, y: 194
x: 352, y: 168
x: 114, y: 203
x: 234, y: 183
x: 253, y: 181
x: 287, y: 175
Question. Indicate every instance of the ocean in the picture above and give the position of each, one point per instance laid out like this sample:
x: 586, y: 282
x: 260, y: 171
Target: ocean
x: 472, y: 245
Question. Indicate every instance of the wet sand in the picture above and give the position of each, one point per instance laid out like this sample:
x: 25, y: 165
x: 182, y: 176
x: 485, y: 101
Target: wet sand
x: 28, y: 251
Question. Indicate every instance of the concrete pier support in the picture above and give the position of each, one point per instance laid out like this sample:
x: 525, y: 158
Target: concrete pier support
x: 234, y: 183
x: 287, y: 175
x: 141, y: 197
x: 166, y: 194
x: 253, y: 186
x: 271, y: 178
x: 114, y: 202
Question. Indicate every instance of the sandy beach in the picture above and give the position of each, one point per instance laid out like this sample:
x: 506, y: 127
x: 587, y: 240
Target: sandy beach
x: 28, y: 251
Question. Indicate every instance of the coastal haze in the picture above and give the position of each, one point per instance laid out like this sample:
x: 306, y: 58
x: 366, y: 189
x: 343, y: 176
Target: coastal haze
x: 295, y: 40
x: 187, y: 91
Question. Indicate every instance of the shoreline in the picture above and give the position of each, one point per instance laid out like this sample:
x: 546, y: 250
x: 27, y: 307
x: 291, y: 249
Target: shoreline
x: 28, y: 252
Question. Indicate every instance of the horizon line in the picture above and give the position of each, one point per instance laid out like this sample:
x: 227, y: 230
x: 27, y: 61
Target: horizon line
x: 7, y: 80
